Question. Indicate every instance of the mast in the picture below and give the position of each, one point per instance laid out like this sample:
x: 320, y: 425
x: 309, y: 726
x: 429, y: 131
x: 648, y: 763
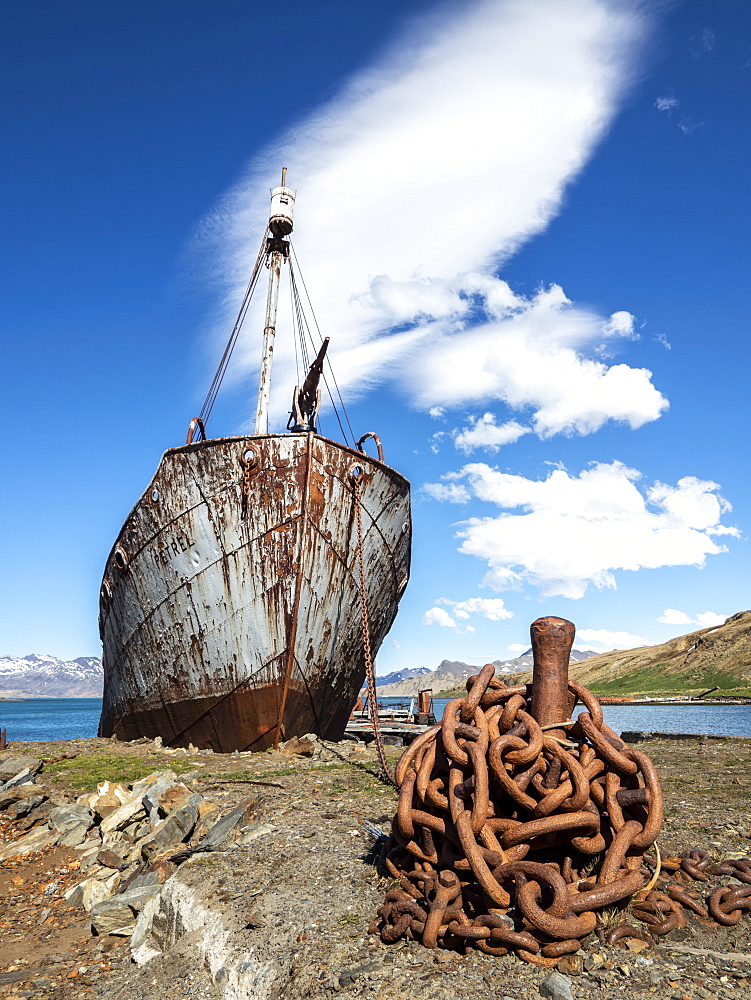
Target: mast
x: 277, y: 251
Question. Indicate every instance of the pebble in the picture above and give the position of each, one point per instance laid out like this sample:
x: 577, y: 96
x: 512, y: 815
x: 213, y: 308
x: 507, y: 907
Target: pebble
x: 572, y: 965
x: 556, y: 987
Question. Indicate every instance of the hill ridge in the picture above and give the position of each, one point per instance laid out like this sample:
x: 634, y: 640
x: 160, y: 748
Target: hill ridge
x: 719, y: 655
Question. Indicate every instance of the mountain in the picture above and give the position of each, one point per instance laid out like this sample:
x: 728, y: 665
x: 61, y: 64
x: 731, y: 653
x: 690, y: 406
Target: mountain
x: 576, y: 656
x: 453, y: 673
x: 690, y: 664
x: 406, y: 673
x: 35, y: 676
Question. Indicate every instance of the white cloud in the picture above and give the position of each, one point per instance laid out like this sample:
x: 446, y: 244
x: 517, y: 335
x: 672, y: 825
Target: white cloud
x: 516, y: 647
x: 492, y: 608
x: 529, y: 353
x: 436, y: 412
x: 608, y: 640
x: 484, y: 432
x: 448, y: 492
x: 577, y: 530
x: 437, y: 616
x: 686, y: 123
x: 418, y: 181
x: 706, y: 619
x: 668, y: 104
x: 435, y: 440
x: 621, y: 324
x: 671, y: 616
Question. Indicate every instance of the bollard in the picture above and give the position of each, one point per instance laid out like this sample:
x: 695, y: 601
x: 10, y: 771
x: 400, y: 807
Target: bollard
x: 424, y: 714
x: 552, y: 639
x: 425, y: 701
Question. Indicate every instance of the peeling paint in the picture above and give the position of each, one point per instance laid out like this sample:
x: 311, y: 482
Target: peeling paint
x: 223, y: 594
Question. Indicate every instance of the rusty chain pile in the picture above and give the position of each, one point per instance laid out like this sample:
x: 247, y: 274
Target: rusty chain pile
x: 663, y: 909
x: 516, y: 826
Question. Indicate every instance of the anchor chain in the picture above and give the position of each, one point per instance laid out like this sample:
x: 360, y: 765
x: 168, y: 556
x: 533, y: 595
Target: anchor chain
x: 663, y: 909
x: 369, y: 671
x: 509, y: 838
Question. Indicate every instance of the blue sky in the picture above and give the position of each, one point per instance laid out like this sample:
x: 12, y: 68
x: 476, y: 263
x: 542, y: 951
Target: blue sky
x: 524, y: 225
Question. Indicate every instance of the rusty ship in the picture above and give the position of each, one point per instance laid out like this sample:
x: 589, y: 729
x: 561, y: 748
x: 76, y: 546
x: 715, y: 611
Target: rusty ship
x: 257, y: 574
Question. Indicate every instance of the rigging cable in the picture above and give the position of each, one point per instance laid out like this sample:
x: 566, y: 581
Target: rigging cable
x: 294, y: 333
x: 303, y: 325
x: 208, y: 404
x: 320, y: 337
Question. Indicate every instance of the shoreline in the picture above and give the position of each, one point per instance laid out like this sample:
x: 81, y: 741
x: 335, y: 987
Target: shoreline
x: 51, y: 697
x: 285, y: 914
x: 624, y: 701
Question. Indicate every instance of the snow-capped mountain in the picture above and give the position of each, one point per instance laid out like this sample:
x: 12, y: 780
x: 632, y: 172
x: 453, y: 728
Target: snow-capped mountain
x: 38, y: 676
x: 405, y: 674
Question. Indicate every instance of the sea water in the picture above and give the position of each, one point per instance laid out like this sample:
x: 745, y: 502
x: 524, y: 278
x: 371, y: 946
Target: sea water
x: 34, y: 719
x: 74, y: 718
x: 712, y: 720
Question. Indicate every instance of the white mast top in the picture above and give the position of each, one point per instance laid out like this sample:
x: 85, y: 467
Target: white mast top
x: 281, y: 217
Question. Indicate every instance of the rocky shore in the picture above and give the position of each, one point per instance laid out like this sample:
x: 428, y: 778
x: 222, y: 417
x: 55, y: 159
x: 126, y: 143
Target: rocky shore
x: 134, y: 871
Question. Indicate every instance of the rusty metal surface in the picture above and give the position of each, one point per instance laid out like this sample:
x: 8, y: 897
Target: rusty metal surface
x: 356, y: 476
x: 518, y: 829
x: 425, y: 701
x: 217, y: 599
x: 509, y: 837
x: 306, y: 399
x: 662, y: 909
x: 196, y: 425
x: 552, y: 639
x: 374, y: 437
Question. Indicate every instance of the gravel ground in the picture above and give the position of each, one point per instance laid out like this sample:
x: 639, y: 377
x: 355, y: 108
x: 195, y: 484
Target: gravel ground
x: 286, y: 915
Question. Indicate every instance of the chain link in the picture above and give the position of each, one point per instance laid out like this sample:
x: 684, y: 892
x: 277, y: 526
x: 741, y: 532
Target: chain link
x: 369, y: 671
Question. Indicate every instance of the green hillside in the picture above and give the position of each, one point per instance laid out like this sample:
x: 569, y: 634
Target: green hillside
x: 688, y: 665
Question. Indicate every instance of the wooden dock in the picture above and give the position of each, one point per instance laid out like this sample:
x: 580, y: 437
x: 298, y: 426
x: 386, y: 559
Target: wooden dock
x: 394, y: 734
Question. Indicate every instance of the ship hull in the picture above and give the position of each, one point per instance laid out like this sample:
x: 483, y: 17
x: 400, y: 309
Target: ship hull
x: 229, y: 610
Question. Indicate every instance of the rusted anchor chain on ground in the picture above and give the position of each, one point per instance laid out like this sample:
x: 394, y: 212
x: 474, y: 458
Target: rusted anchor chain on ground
x: 517, y: 826
x: 356, y: 477
x: 663, y: 909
